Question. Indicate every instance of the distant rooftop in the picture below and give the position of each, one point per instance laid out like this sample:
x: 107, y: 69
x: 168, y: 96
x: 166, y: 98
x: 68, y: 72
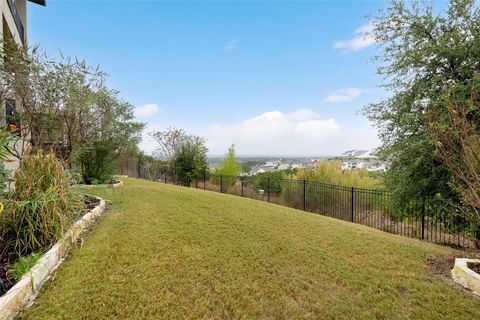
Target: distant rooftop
x: 372, y: 153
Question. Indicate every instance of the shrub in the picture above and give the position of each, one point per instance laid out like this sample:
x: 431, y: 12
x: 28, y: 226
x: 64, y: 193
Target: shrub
x: 229, y: 165
x: 191, y: 161
x: 74, y: 177
x: 92, y: 181
x: 331, y: 172
x: 96, y: 161
x: 333, y: 198
x: 7, y: 139
x: 4, y: 178
x: 23, y: 265
x: 41, y: 207
x: 269, y: 181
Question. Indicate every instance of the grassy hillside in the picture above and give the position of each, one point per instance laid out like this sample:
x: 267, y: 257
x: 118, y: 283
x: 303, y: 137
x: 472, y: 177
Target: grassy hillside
x: 174, y: 253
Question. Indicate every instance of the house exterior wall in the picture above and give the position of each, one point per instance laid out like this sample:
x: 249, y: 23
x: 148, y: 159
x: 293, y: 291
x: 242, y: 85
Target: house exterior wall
x: 9, y: 28
x: 8, y: 18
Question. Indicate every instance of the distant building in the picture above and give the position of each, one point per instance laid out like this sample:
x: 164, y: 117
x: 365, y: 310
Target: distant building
x: 298, y: 166
x: 350, y: 165
x: 271, y: 164
x: 255, y: 170
x: 372, y: 166
x: 378, y: 167
x: 369, y: 154
x: 361, y: 154
x: 349, y: 153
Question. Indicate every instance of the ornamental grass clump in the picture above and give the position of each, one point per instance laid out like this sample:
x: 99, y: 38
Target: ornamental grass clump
x: 96, y: 161
x: 41, y: 207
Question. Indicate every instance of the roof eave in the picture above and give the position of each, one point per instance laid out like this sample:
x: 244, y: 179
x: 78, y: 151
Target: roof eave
x: 40, y: 2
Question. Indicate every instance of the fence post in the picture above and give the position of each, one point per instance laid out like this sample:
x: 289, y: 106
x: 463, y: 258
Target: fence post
x: 423, y: 219
x: 165, y: 178
x: 204, y: 180
x: 221, y: 183
x: 304, y: 195
x: 138, y: 170
x: 241, y: 186
x: 268, y: 189
x: 353, y: 204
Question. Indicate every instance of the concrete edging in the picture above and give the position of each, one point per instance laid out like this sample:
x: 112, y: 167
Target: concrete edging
x: 108, y: 185
x: 463, y: 275
x: 26, y: 290
x: 115, y: 185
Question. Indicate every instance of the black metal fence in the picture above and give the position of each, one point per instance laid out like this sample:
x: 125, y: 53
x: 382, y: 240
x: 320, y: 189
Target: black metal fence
x: 425, y: 220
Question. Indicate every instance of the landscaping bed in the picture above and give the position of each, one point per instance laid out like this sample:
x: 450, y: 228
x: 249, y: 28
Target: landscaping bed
x: 7, y: 260
x: 26, y: 289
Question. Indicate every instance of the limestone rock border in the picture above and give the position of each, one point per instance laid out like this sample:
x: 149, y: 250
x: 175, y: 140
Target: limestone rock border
x: 463, y: 275
x: 108, y: 185
x: 115, y: 185
x: 26, y: 290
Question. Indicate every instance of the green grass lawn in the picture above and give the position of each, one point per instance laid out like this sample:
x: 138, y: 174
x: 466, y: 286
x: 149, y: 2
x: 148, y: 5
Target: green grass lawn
x: 169, y: 252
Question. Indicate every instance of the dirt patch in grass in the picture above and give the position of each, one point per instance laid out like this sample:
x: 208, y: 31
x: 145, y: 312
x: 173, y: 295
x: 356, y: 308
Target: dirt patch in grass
x: 440, y: 265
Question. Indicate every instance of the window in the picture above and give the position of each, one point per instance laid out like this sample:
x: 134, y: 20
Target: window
x: 12, y: 116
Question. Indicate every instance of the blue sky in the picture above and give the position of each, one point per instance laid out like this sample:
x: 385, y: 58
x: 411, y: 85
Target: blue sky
x: 275, y: 78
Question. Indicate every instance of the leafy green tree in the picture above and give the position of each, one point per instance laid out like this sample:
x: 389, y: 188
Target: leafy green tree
x: 423, y: 52
x: 149, y: 167
x: 191, y: 160
x: 117, y: 122
x: 185, y: 154
x: 270, y: 181
x: 458, y: 145
x: 230, y: 165
x: 169, y: 143
x: 65, y: 104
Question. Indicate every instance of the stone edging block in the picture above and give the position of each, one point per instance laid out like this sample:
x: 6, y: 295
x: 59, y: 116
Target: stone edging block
x: 115, y: 185
x: 25, y: 291
x: 462, y: 274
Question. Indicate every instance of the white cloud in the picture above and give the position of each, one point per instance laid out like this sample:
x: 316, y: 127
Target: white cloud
x: 344, y: 95
x: 303, y: 114
x: 147, y: 110
x: 231, y: 44
x: 148, y: 144
x: 299, y: 132
x: 362, y: 38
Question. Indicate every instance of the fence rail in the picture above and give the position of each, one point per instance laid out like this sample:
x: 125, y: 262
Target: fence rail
x: 423, y: 220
